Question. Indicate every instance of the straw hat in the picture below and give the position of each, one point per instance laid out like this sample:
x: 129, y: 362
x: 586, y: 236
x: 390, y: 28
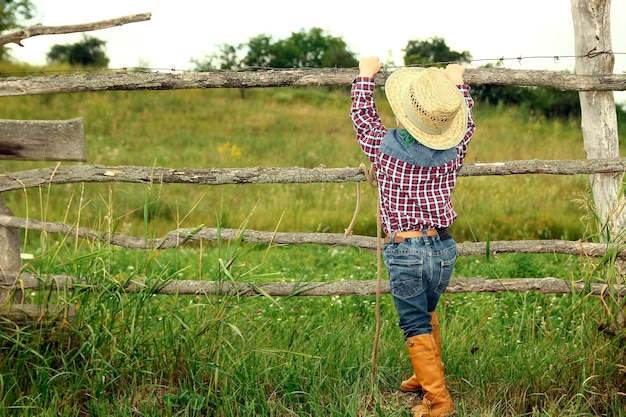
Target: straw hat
x: 428, y: 105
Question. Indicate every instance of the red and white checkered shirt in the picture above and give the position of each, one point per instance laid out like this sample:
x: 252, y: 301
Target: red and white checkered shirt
x: 411, y: 197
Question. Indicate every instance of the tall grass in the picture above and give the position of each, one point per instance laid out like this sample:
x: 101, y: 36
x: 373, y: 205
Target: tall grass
x: 139, y: 354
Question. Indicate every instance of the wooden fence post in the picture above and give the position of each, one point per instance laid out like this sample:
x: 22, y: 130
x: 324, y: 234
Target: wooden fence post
x: 10, y: 261
x: 594, y: 56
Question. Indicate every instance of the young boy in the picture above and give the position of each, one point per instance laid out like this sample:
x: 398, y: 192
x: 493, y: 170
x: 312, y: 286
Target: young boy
x: 416, y: 169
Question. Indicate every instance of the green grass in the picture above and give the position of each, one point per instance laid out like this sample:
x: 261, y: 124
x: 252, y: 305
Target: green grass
x: 144, y: 354
x: 141, y: 354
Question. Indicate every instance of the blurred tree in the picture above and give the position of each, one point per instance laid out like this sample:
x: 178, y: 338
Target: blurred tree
x: 260, y: 52
x: 433, y: 51
x: 312, y: 49
x: 12, y: 14
x: 553, y: 103
x: 226, y: 58
x: 87, y: 53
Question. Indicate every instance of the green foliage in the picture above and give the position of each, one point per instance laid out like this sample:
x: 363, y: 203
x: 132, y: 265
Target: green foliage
x: 13, y: 11
x: 433, y: 51
x: 554, y: 104
x: 260, y: 52
x: 313, y: 49
x: 89, y: 52
x: 12, y: 14
x: 227, y: 58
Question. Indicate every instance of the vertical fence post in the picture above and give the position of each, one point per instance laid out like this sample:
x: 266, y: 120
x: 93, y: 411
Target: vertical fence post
x: 10, y: 261
x: 594, y: 56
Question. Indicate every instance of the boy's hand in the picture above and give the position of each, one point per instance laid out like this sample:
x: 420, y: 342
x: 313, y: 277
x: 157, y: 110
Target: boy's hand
x: 370, y: 66
x: 455, y: 72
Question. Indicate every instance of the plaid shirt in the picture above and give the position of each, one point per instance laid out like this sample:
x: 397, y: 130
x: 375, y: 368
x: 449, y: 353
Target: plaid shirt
x: 411, y: 197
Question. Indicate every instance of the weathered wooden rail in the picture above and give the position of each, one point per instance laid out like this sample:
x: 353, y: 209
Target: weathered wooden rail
x: 44, y: 177
x: 265, y: 78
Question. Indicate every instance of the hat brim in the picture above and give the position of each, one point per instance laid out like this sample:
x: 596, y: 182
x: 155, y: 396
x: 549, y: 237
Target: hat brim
x: 449, y: 139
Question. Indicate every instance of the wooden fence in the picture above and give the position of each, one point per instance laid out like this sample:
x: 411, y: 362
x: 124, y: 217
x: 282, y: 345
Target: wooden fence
x: 604, y: 165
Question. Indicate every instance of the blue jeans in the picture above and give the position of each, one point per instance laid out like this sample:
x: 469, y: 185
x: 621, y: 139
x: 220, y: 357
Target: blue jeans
x: 419, y: 272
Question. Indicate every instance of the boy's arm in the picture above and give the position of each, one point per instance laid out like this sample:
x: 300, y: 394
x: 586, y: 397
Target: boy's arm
x: 455, y: 73
x: 366, y: 121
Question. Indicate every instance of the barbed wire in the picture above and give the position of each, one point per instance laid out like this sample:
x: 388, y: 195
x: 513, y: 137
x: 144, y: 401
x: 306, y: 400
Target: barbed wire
x: 498, y: 61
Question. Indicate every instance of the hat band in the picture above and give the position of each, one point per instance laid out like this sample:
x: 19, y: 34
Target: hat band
x: 413, y: 118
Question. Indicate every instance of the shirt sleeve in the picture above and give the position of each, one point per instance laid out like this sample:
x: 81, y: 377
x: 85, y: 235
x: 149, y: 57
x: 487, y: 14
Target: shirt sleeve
x: 367, y: 124
x: 471, y: 126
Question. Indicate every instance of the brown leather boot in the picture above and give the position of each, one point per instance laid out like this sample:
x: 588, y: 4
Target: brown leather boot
x: 429, y: 373
x: 412, y: 384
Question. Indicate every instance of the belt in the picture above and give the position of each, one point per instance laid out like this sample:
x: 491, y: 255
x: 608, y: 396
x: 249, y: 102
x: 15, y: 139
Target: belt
x: 400, y: 236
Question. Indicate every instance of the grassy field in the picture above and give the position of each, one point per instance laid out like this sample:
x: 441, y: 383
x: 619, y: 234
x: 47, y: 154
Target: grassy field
x: 143, y: 354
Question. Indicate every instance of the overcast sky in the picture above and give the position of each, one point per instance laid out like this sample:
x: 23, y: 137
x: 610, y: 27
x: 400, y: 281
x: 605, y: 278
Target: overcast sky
x: 183, y: 29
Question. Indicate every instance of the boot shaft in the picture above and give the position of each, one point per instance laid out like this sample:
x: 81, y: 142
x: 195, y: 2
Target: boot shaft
x: 412, y: 384
x: 428, y: 369
x: 434, y: 322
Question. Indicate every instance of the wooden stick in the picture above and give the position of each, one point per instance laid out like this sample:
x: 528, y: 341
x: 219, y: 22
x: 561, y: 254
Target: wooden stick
x: 37, y: 30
